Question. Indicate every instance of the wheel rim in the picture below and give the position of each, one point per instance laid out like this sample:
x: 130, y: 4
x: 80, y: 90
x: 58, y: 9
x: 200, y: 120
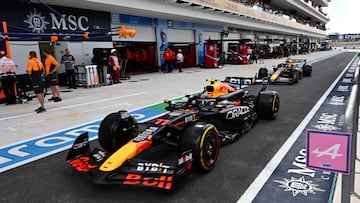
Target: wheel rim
x: 210, y: 149
x: 276, y: 105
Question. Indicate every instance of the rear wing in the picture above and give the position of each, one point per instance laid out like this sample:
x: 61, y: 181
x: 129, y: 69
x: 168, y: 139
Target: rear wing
x: 245, y: 81
x: 298, y: 60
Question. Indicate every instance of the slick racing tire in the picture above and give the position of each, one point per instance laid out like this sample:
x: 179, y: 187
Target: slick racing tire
x: 262, y: 73
x: 203, y: 140
x: 116, y: 129
x: 296, y: 76
x: 268, y: 105
x: 307, y: 70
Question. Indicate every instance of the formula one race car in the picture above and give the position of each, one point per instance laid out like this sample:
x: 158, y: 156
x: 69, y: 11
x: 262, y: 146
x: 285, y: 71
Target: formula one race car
x: 194, y: 128
x: 289, y: 72
x: 303, y: 65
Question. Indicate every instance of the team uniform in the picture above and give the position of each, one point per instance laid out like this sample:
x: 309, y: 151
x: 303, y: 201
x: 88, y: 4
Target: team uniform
x: 67, y: 59
x: 37, y: 70
x: 115, y: 65
x: 50, y: 63
x: 180, y: 60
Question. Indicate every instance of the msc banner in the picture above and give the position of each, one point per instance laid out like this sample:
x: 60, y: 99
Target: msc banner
x: 292, y: 180
x: 34, y: 21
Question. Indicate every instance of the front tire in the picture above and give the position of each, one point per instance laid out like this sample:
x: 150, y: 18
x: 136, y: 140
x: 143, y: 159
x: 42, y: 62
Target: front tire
x: 203, y: 140
x: 268, y: 105
x: 116, y: 129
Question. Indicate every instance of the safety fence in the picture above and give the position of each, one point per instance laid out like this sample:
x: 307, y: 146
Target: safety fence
x: 351, y: 125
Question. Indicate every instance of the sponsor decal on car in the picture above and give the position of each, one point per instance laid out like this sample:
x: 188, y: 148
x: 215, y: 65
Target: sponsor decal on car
x: 237, y: 112
x: 163, y: 181
x: 152, y: 167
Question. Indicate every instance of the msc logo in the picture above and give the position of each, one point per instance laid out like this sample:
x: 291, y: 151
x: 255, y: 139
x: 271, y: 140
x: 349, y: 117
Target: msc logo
x: 36, y: 21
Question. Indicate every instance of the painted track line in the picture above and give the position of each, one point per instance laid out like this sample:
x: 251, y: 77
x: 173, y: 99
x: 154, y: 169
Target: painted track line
x: 75, y: 105
x: 261, y: 179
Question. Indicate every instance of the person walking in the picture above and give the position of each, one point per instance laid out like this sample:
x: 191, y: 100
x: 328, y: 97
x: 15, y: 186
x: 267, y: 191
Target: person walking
x: 172, y: 59
x: 115, y: 66
x: 180, y: 60
x: 69, y: 60
x: 7, y: 78
x: 36, y: 71
x: 51, y: 67
x: 167, y: 59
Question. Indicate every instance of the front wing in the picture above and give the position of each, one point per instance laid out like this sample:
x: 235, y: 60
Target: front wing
x: 282, y: 80
x: 132, y: 172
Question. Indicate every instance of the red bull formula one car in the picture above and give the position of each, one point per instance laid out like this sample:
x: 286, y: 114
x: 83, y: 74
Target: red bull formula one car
x: 290, y: 72
x: 193, y: 129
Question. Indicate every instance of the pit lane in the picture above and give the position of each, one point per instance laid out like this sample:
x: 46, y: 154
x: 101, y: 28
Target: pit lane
x: 52, y: 180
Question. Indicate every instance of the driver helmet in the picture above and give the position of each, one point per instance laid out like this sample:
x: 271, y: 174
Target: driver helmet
x: 289, y: 62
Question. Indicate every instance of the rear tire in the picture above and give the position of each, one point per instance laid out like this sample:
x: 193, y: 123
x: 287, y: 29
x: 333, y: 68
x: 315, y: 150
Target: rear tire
x: 307, y: 70
x: 116, y: 129
x: 203, y: 140
x: 268, y: 105
x: 296, y: 76
x: 263, y: 73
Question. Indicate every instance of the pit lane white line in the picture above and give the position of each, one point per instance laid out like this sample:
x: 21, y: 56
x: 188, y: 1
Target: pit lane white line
x: 13, y: 127
x: 75, y: 105
x: 105, y: 107
x: 255, y: 187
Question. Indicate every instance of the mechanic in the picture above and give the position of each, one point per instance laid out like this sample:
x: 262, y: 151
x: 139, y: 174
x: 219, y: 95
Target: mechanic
x: 51, y: 67
x: 167, y: 60
x: 172, y: 59
x: 7, y: 78
x: 115, y: 66
x: 36, y: 69
x: 180, y: 60
x: 69, y: 60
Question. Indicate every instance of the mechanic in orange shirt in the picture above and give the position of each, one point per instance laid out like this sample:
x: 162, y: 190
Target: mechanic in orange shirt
x: 36, y: 69
x: 51, y: 67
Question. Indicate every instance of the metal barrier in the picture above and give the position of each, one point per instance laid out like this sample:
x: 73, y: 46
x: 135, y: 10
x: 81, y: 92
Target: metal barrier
x: 351, y: 125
